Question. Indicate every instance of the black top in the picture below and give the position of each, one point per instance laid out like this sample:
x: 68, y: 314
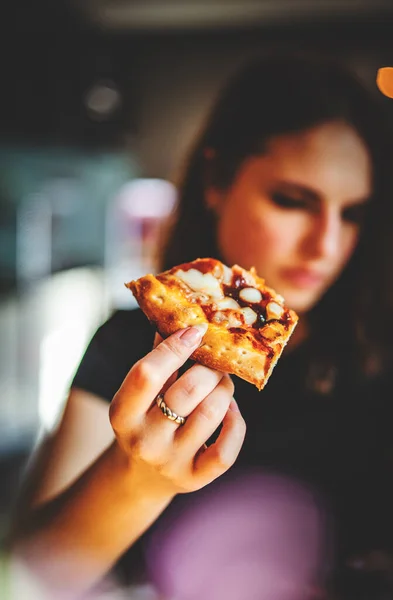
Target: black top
x: 339, y: 444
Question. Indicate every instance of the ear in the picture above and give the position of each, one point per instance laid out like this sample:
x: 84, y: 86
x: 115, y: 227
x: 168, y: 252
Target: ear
x: 214, y: 199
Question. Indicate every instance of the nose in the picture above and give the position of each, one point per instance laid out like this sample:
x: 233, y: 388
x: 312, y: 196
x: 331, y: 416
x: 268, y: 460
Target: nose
x: 323, y: 239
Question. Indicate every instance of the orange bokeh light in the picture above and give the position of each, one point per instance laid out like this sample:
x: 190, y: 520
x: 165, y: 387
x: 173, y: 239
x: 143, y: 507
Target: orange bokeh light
x: 385, y: 81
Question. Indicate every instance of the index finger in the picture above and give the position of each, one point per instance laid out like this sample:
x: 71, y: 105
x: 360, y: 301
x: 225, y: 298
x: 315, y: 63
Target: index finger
x: 147, y: 377
x: 157, y: 340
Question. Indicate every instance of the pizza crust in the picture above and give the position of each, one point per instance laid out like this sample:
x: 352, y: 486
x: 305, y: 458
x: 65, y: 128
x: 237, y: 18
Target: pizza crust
x: 171, y: 305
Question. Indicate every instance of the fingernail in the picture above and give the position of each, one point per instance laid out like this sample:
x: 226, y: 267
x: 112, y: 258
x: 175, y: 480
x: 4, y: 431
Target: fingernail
x: 191, y: 336
x: 233, y: 406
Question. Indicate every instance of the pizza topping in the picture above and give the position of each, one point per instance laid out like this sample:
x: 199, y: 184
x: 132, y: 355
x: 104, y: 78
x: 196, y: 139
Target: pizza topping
x: 229, y: 296
x: 231, y: 319
x: 274, y: 311
x: 227, y: 302
x: 251, y: 295
x: 250, y: 316
x: 199, y: 297
x: 203, y: 265
x: 201, y: 282
x: 227, y: 276
x: 218, y: 317
x: 234, y: 320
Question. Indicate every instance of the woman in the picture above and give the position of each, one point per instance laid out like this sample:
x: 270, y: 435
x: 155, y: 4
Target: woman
x: 292, y: 175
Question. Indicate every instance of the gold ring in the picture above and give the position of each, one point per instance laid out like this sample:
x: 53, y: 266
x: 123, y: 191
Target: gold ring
x: 172, y: 416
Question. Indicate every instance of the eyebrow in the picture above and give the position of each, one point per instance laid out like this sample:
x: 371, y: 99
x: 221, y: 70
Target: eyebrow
x: 313, y: 194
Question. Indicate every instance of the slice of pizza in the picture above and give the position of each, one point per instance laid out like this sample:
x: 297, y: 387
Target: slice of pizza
x: 248, y: 323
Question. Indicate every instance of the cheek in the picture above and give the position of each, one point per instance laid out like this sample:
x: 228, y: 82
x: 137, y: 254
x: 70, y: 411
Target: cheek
x: 252, y: 235
x: 348, y: 246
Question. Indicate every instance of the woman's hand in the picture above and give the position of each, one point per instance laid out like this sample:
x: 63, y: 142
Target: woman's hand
x: 119, y: 495
x: 166, y: 455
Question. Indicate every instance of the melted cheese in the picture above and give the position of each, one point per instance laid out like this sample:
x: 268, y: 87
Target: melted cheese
x: 201, y: 282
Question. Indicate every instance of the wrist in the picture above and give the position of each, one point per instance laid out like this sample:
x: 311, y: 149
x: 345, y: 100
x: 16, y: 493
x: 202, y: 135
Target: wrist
x: 140, y: 480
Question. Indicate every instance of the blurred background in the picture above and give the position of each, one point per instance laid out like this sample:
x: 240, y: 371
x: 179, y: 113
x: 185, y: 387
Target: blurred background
x: 99, y: 102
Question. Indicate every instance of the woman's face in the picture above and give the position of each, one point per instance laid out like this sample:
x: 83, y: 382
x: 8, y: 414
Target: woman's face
x: 295, y: 212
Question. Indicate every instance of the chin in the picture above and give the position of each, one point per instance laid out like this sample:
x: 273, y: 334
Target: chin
x: 300, y: 301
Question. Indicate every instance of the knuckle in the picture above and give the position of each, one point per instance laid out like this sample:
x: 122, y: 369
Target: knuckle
x: 209, y: 410
x: 115, y: 413
x: 196, y: 383
x: 189, y: 385
x: 143, y: 373
x: 171, y: 346
x: 185, y: 487
x: 222, y: 461
x: 142, y: 449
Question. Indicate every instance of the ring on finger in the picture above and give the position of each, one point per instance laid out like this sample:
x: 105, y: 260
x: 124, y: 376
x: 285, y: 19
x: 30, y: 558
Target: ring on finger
x: 170, y: 414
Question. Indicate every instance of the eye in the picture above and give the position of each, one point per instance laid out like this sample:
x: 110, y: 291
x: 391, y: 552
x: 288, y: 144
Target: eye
x: 286, y: 201
x: 355, y: 214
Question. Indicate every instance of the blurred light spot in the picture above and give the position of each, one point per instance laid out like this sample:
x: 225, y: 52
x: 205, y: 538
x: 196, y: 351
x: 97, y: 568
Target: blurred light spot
x: 60, y: 351
x: 103, y: 99
x: 385, y: 81
x: 33, y: 238
x: 136, y: 223
x: 258, y: 536
x: 73, y: 304
x: 147, y: 198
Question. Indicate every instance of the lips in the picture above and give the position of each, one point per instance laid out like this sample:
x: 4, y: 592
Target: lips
x: 303, y: 277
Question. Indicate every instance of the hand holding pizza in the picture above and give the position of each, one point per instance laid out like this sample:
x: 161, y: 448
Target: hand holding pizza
x: 164, y: 440
x: 248, y: 324
x: 162, y: 423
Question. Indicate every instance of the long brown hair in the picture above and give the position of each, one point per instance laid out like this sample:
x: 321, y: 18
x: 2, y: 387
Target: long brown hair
x: 279, y: 94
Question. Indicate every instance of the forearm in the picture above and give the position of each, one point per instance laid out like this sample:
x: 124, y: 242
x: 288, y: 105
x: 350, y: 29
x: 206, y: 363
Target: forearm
x: 76, y: 538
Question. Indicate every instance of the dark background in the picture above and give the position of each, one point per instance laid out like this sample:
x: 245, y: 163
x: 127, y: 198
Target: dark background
x: 166, y: 70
